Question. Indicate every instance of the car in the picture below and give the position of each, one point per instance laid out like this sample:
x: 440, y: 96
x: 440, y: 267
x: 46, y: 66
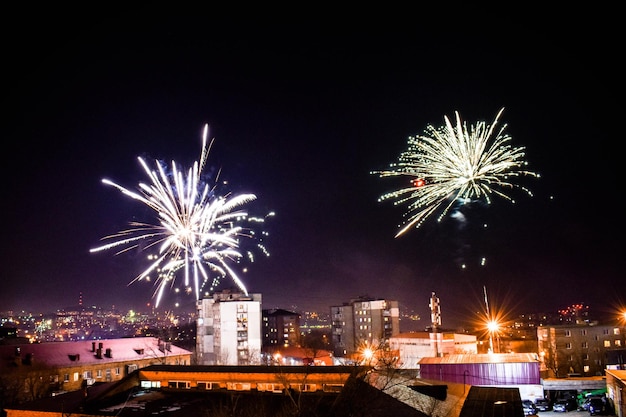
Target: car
x: 543, y: 404
x: 597, y: 407
x: 564, y: 405
x: 529, y: 408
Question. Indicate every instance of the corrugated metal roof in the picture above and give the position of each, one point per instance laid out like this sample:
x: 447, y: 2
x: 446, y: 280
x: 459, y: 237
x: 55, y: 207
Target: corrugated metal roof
x: 60, y: 354
x: 482, y: 358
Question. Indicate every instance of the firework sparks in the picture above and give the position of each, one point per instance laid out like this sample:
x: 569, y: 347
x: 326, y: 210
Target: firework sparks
x: 455, y: 164
x: 197, y: 231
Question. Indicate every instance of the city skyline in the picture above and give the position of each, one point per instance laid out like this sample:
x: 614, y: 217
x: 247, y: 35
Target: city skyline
x: 301, y: 114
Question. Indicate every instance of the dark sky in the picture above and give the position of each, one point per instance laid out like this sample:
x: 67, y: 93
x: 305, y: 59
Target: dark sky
x: 303, y: 107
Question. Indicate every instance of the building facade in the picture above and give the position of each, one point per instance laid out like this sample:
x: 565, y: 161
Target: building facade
x: 577, y: 349
x: 35, y: 370
x: 363, y: 322
x: 229, y: 329
x: 412, y: 347
x: 281, y: 328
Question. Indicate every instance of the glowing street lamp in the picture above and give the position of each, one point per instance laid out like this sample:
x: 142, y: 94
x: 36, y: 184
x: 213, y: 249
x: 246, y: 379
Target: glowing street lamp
x: 493, y: 327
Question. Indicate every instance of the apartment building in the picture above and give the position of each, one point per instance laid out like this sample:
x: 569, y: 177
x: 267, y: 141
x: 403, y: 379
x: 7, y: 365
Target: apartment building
x: 229, y: 329
x: 363, y: 321
x: 281, y: 328
x: 580, y: 349
x: 35, y: 370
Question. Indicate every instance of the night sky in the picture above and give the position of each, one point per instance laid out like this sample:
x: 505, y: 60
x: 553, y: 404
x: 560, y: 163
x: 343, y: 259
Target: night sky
x: 302, y: 108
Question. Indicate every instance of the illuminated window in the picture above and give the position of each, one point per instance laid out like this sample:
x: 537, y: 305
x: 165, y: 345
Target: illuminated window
x: 586, y: 368
x: 618, y: 343
x: 616, y: 331
x: 607, y: 343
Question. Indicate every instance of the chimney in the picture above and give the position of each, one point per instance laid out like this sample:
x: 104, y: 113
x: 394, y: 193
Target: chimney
x: 107, y: 353
x: 99, y: 353
x: 93, y: 346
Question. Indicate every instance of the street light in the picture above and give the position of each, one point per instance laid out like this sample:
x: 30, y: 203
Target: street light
x: 493, y: 327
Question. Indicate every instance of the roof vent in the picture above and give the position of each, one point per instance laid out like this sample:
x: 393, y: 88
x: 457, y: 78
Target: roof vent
x: 139, y: 351
x: 75, y: 357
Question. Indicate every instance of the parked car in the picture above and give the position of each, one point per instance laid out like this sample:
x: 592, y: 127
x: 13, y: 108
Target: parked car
x: 529, y: 408
x: 543, y: 404
x: 597, y: 407
x: 563, y: 406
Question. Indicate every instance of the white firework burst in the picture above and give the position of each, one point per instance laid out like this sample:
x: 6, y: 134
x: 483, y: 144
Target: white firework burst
x: 454, y: 163
x: 197, y: 231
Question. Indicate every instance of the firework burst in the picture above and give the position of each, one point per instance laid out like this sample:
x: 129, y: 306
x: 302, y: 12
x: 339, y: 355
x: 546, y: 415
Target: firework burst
x: 197, y: 232
x: 455, y: 164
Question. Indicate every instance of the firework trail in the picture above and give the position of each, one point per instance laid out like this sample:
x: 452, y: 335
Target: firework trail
x: 197, y: 231
x: 455, y: 164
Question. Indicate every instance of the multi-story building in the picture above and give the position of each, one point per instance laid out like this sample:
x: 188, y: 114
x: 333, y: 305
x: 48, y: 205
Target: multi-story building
x: 35, y: 370
x: 281, y: 328
x: 229, y: 329
x: 579, y: 349
x: 363, y: 322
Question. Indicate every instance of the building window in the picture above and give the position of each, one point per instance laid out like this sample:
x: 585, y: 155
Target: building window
x: 586, y: 368
x: 178, y: 384
x: 568, y: 333
x: 618, y: 343
x: 568, y: 346
x: 99, y: 373
x: 76, y: 376
x: 616, y: 331
x: 66, y: 378
x: 584, y: 345
x: 585, y: 357
x: 583, y: 332
x: 607, y: 343
x: 117, y: 371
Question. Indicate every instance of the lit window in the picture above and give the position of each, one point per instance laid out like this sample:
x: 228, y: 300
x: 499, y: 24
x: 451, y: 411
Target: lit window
x: 607, y: 343
x: 618, y: 343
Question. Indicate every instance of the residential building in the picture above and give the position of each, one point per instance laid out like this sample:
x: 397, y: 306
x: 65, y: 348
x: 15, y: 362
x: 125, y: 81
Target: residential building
x: 363, y: 322
x: 44, y: 368
x: 281, y: 328
x: 414, y: 346
x: 229, y: 329
x: 577, y: 349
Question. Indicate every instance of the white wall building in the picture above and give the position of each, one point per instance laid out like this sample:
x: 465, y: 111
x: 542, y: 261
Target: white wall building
x: 229, y: 329
x: 414, y: 346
